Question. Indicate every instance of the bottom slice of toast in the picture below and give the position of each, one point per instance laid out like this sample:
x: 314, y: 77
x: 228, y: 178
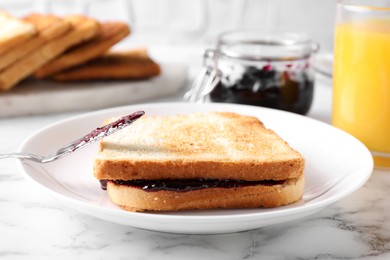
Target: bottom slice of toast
x: 243, y: 195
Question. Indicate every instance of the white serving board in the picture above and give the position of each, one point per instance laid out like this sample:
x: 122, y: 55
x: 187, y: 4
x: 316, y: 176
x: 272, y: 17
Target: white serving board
x: 34, y: 97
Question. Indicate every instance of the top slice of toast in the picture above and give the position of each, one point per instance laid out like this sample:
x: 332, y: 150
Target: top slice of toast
x: 215, y: 145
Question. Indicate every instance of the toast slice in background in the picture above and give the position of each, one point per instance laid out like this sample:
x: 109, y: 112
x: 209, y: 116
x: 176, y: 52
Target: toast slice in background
x: 13, y: 31
x: 110, y: 34
x: 80, y: 29
x: 83, y: 29
x: 132, y: 64
x: 48, y: 27
x: 204, y: 149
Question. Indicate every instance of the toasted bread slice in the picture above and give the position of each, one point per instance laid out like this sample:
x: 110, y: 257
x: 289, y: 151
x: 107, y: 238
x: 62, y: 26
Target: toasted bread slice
x: 80, y: 29
x: 110, y: 34
x: 213, y: 146
x: 199, y: 161
x: 249, y: 196
x: 48, y: 28
x: 133, y: 64
x: 13, y: 31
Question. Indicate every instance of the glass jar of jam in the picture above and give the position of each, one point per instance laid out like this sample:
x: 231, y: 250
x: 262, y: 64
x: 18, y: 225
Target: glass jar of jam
x: 263, y: 69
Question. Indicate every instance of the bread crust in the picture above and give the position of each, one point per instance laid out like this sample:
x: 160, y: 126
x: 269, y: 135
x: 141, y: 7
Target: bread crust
x: 182, y: 168
x: 136, y: 199
x: 132, y: 64
x: 13, y: 31
x: 48, y: 27
x: 109, y: 34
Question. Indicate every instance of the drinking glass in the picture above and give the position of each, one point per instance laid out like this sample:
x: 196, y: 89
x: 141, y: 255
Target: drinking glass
x: 361, y: 82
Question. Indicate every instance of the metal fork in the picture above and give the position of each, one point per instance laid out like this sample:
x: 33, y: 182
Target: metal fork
x: 87, y: 139
x: 205, y: 82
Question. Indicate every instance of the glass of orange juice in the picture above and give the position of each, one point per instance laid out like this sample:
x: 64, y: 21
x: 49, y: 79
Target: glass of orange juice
x: 361, y: 76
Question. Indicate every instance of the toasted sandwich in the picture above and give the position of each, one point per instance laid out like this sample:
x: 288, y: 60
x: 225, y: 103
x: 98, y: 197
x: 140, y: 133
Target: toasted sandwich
x: 199, y: 161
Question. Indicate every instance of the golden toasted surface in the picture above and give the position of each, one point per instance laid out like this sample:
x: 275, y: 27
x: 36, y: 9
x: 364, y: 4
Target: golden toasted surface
x: 212, y: 145
x: 108, y: 35
x: 133, y: 64
x: 55, y: 37
x: 67, y: 48
x: 13, y: 31
x: 136, y: 199
x: 82, y: 29
x: 47, y: 26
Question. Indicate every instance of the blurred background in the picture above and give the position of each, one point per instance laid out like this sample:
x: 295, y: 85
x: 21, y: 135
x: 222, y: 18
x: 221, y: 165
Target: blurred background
x: 176, y: 33
x: 196, y: 22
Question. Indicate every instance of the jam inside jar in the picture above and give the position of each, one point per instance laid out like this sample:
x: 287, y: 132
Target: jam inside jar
x: 269, y: 70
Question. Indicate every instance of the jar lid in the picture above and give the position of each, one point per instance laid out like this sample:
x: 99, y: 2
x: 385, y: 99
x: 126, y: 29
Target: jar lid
x: 261, y: 46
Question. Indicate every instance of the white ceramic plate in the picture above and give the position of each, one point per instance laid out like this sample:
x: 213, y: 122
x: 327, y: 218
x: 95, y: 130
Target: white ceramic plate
x: 336, y: 165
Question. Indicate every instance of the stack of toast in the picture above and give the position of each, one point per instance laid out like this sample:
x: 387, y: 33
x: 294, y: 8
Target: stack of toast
x: 69, y: 48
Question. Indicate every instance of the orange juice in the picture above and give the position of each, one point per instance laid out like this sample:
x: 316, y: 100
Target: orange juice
x: 361, y: 84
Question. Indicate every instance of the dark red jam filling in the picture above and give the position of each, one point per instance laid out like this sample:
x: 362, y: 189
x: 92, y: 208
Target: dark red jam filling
x: 188, y: 185
x: 267, y: 87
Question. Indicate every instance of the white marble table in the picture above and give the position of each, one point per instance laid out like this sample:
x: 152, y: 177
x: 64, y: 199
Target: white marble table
x: 35, y: 226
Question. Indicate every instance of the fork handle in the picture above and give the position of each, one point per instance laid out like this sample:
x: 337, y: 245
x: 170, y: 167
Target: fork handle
x: 27, y: 156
